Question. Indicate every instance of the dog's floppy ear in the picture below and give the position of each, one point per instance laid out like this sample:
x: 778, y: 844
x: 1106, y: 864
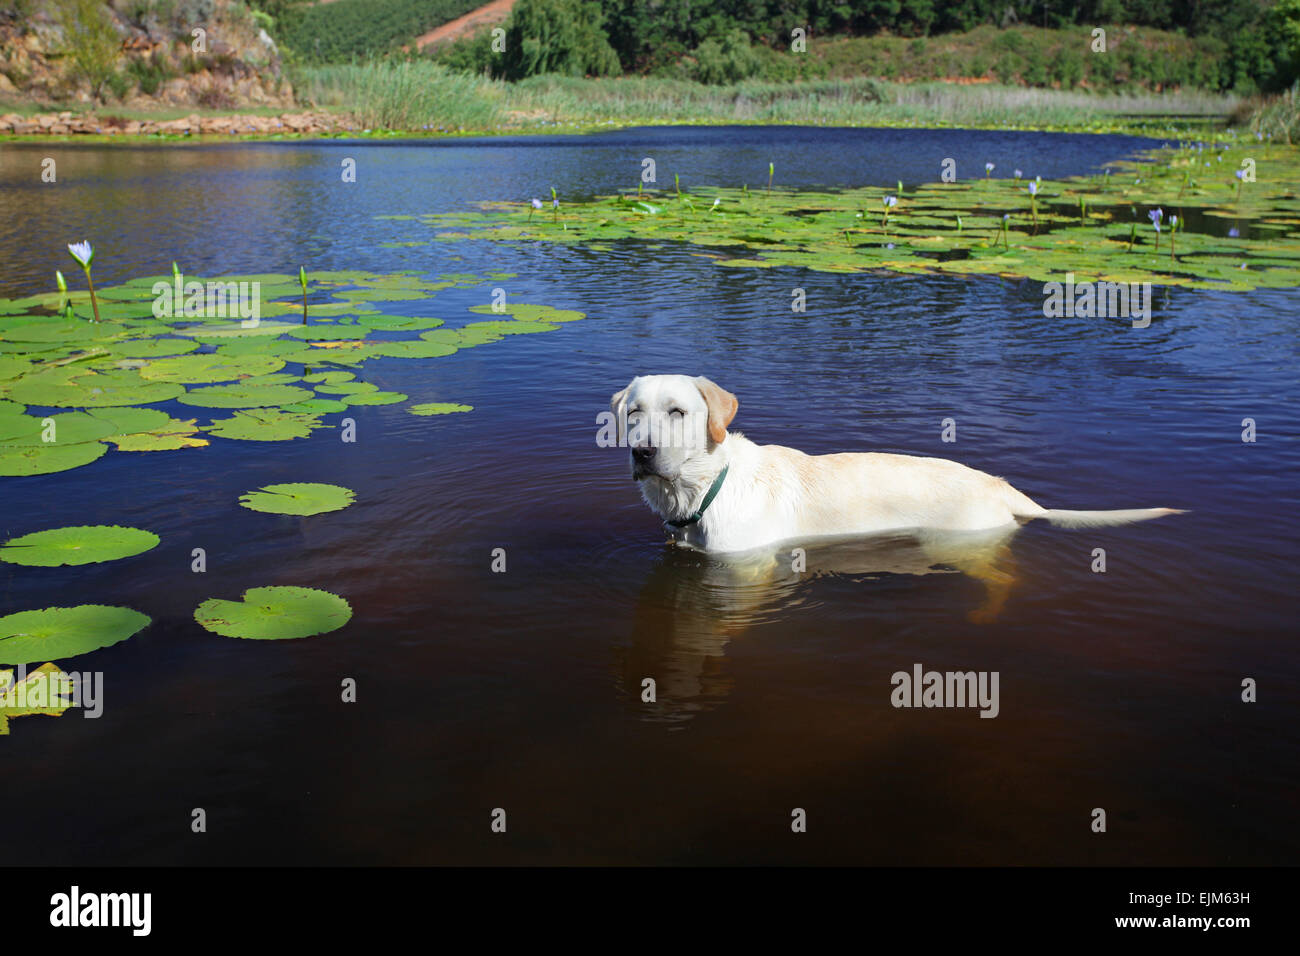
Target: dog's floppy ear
x: 722, y: 407
x: 618, y: 406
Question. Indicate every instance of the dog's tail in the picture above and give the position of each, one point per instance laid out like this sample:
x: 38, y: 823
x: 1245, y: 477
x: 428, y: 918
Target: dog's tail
x: 1103, y: 519
x: 1026, y: 509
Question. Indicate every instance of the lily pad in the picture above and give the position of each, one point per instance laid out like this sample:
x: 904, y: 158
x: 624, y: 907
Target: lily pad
x: 244, y: 396
x: 172, y: 434
x: 127, y: 421
x: 154, y: 348
x: 18, y: 460
x: 317, y: 406
x: 531, y: 312
x: 265, y: 424
x: 58, y: 632
x: 273, y: 614
x: 439, y: 408
x: 13, y: 367
x: 413, y: 350
x: 66, y: 428
x: 329, y: 378
x: 210, y: 367
x: 89, y: 389
x: 84, y: 544
x: 401, y: 323
x: 375, y: 398
x: 40, y: 692
x: 346, y: 388
x: 297, y: 498
x: 329, y: 333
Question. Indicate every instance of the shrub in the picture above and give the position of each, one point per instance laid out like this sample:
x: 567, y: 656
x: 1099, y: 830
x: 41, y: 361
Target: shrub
x: 468, y: 55
x: 90, y: 41
x: 727, y: 60
x: 1007, y: 68
x: 119, y: 84
x: 148, y: 75
x: 1034, y: 71
x: 1067, y: 68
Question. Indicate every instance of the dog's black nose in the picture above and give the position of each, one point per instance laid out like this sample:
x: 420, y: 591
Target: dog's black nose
x: 643, y: 454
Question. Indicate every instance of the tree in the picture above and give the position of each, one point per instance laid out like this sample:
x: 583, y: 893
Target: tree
x: 557, y: 36
x: 1285, y: 21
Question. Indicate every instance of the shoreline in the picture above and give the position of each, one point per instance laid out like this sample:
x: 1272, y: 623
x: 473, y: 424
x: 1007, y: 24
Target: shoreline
x: 424, y: 101
x: 251, y: 128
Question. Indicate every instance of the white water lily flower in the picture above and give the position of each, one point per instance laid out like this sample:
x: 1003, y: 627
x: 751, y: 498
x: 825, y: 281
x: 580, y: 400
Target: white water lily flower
x: 82, y: 252
x: 988, y: 167
x: 1033, y: 189
x: 891, y: 201
x: 537, y: 203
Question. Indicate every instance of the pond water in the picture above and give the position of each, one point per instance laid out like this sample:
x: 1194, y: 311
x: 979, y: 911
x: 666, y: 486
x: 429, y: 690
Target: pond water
x: 522, y: 690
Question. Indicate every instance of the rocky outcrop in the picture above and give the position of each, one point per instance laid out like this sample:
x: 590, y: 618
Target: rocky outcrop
x: 139, y: 54
x: 67, y: 123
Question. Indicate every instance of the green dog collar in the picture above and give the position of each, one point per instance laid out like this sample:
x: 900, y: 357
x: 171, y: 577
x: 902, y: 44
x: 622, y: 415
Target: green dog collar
x: 704, y: 505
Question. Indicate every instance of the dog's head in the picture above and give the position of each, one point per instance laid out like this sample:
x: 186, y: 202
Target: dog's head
x: 670, y: 421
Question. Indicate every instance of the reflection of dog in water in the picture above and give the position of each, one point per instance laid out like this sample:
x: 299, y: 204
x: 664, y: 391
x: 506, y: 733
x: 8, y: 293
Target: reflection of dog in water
x: 693, y: 603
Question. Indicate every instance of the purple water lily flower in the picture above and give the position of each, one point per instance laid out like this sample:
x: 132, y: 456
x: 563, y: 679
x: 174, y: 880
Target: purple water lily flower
x: 82, y: 252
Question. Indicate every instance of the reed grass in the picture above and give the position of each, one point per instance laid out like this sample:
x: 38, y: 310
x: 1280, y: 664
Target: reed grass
x: 416, y: 95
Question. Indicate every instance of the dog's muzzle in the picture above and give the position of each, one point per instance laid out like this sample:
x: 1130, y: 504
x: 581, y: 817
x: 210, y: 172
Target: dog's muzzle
x: 642, y: 463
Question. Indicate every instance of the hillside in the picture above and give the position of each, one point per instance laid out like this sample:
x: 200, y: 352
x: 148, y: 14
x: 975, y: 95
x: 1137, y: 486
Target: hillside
x: 342, y: 30
x: 477, y: 21
x: 139, y: 55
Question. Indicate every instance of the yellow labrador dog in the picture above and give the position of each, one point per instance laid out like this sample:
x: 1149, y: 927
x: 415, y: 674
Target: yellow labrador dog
x: 719, y: 492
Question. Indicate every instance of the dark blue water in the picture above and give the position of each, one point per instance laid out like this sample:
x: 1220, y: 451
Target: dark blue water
x: 521, y: 690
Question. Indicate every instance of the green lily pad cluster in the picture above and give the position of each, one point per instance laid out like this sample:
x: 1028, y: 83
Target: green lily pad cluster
x: 266, y: 613
x: 1237, y: 205
x: 71, y: 388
